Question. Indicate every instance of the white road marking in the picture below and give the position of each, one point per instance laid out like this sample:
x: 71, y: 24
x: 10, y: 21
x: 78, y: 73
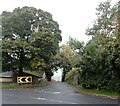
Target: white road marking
x: 50, y: 92
x: 41, y: 98
x: 55, y: 92
x: 41, y: 91
x: 56, y: 101
x: 71, y: 94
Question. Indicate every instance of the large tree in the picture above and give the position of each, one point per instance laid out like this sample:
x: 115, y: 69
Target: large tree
x: 100, y: 59
x: 30, y: 37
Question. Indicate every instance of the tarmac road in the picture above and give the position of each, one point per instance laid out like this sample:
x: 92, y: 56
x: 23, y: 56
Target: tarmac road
x: 55, y: 93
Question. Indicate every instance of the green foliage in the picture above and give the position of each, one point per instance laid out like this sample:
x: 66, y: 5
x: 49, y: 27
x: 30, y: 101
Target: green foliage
x: 76, y: 45
x: 72, y: 76
x: 100, y: 65
x: 104, y: 24
x: 100, y: 59
x: 66, y: 59
x: 30, y: 39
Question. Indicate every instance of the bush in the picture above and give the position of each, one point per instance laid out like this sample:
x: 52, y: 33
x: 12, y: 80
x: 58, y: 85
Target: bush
x: 72, y: 77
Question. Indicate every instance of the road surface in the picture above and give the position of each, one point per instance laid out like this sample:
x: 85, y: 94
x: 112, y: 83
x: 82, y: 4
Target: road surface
x: 55, y: 93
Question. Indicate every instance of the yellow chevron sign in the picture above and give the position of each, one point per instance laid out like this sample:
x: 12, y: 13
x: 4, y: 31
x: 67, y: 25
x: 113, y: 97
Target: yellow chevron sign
x: 24, y: 79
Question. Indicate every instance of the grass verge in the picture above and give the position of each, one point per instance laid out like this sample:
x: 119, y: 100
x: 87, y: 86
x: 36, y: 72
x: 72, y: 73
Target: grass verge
x: 93, y: 92
x: 9, y: 86
x: 103, y: 93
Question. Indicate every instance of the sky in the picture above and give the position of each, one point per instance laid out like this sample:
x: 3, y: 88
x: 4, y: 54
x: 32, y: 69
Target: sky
x: 73, y: 16
x: 57, y: 75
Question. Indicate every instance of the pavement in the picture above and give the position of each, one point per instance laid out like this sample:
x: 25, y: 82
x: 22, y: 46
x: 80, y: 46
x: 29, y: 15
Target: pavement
x: 54, y: 93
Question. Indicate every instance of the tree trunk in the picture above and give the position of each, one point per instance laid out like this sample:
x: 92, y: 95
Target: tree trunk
x: 49, y: 74
x: 63, y: 76
x: 21, y: 60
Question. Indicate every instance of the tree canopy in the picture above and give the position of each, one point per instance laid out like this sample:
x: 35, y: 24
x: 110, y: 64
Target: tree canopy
x: 99, y: 61
x: 30, y: 39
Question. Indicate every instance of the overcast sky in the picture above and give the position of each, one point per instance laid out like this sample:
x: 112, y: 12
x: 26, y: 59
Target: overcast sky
x: 73, y: 16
